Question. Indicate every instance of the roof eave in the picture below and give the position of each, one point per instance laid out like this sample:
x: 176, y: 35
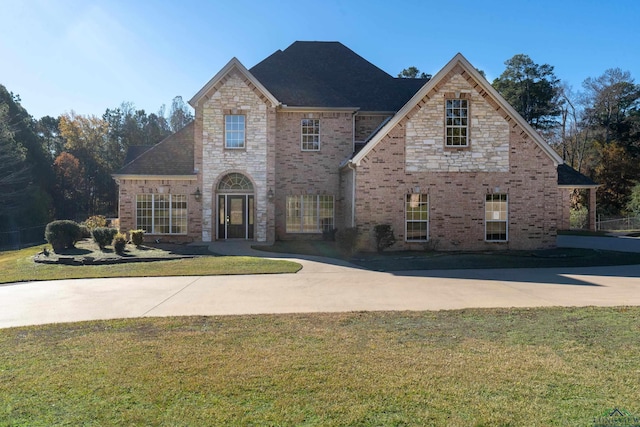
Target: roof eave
x: 124, y: 176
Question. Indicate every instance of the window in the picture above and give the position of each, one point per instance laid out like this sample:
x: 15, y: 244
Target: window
x: 234, y: 131
x: 417, y: 218
x: 161, y: 213
x: 457, y: 123
x: 310, y: 134
x: 309, y: 214
x: 496, y: 218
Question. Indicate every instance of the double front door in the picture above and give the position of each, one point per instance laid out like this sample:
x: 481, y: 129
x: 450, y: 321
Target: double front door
x: 235, y: 216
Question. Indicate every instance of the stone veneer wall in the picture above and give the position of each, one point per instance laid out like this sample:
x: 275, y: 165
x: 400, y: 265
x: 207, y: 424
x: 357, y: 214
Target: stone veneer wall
x: 488, y: 149
x: 310, y: 172
x: 236, y: 95
x: 128, y: 189
x: 457, y: 198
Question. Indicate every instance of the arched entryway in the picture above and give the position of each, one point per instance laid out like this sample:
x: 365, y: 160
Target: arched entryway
x: 236, y: 207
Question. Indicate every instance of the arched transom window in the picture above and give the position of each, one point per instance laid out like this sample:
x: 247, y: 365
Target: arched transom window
x: 235, y: 182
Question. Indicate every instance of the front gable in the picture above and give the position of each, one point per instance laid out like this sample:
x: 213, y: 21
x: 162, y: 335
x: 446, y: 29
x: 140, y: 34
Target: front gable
x: 492, y: 119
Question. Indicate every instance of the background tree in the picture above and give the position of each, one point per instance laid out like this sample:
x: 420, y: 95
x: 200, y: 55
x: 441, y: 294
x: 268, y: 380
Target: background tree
x: 531, y: 89
x: 413, y: 73
x: 180, y: 114
x: 69, y: 183
x: 14, y: 171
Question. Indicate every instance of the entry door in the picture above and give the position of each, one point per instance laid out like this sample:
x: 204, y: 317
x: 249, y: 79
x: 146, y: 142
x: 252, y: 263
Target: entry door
x: 235, y: 216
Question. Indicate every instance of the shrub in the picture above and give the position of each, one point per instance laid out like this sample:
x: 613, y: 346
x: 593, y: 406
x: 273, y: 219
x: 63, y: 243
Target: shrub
x: 384, y: 236
x: 95, y: 221
x: 329, y: 235
x: 347, y: 240
x: 84, y: 231
x: 119, y: 242
x: 137, y: 237
x: 62, y: 234
x: 103, y: 236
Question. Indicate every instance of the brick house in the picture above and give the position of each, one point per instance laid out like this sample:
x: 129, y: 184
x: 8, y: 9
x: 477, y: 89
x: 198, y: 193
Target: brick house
x: 315, y: 138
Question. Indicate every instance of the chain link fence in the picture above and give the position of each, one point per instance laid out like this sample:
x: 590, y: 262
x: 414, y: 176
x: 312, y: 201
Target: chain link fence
x: 23, y: 237
x: 615, y: 224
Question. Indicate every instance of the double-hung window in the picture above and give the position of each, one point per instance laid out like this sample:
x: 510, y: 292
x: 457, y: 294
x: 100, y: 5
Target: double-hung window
x: 417, y: 217
x: 161, y: 213
x: 310, y: 129
x: 457, y: 123
x: 496, y: 229
x: 234, y: 131
x: 309, y: 214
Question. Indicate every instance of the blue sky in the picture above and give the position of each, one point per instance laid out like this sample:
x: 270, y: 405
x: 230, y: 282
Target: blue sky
x: 88, y: 56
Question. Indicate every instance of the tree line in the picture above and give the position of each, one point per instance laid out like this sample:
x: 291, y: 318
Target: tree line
x: 60, y: 167
x: 595, y: 129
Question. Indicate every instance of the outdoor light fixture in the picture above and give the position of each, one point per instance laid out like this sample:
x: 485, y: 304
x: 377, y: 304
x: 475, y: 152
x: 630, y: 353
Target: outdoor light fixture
x: 197, y: 195
x: 270, y: 194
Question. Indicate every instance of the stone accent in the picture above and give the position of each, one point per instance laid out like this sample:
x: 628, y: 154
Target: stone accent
x: 488, y: 149
x: 235, y: 95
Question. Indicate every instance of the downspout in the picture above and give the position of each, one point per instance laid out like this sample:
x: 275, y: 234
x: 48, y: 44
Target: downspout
x: 351, y: 166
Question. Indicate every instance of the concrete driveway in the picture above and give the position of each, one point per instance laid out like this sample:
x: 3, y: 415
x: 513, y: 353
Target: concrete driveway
x: 321, y: 286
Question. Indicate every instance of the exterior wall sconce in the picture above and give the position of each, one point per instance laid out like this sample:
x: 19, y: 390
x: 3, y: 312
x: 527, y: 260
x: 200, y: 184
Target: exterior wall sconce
x: 270, y: 194
x: 197, y: 195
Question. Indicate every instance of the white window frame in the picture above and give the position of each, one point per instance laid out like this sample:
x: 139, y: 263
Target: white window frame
x: 494, y: 214
x: 410, y: 215
x: 235, y: 130
x: 310, y: 134
x: 456, y: 123
x: 308, y: 214
x: 176, y: 217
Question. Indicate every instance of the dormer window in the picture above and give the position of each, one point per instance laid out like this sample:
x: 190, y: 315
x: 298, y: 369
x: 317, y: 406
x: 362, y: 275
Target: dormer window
x: 457, y: 123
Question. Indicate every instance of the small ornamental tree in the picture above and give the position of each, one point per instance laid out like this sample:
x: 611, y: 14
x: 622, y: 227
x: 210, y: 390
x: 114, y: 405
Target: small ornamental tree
x: 384, y: 236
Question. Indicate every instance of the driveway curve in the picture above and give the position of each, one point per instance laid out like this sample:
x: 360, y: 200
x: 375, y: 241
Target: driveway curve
x: 321, y: 286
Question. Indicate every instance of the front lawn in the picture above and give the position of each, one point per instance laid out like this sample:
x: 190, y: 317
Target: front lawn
x: 533, y: 367
x: 19, y: 266
x: 434, y: 260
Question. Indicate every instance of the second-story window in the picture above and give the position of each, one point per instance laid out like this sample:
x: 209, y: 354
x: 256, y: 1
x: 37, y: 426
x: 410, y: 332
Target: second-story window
x: 457, y: 120
x: 234, y: 131
x: 310, y: 134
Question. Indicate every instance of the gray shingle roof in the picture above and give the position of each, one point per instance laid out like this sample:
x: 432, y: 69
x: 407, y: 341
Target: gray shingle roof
x: 328, y: 74
x: 568, y: 176
x: 171, y: 156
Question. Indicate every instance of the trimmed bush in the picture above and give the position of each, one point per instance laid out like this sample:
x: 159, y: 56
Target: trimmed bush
x: 119, y: 242
x: 347, y: 240
x: 84, y: 231
x: 62, y: 234
x: 384, y: 236
x: 103, y: 236
x: 137, y: 237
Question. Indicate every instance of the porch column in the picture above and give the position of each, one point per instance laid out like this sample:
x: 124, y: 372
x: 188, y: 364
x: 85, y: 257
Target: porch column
x: 592, y: 209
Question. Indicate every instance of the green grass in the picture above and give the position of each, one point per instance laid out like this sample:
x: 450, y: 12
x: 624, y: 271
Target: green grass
x: 433, y: 260
x: 533, y: 367
x: 18, y: 266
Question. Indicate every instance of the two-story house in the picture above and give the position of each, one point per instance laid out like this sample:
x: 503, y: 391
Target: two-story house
x: 315, y: 138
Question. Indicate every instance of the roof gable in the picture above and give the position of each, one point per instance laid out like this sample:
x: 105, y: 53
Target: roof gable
x: 219, y: 78
x: 481, y: 85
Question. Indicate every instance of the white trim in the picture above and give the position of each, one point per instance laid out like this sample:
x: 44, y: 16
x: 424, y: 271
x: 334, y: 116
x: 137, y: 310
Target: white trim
x: 233, y: 63
x: 119, y: 177
x: 484, y: 84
